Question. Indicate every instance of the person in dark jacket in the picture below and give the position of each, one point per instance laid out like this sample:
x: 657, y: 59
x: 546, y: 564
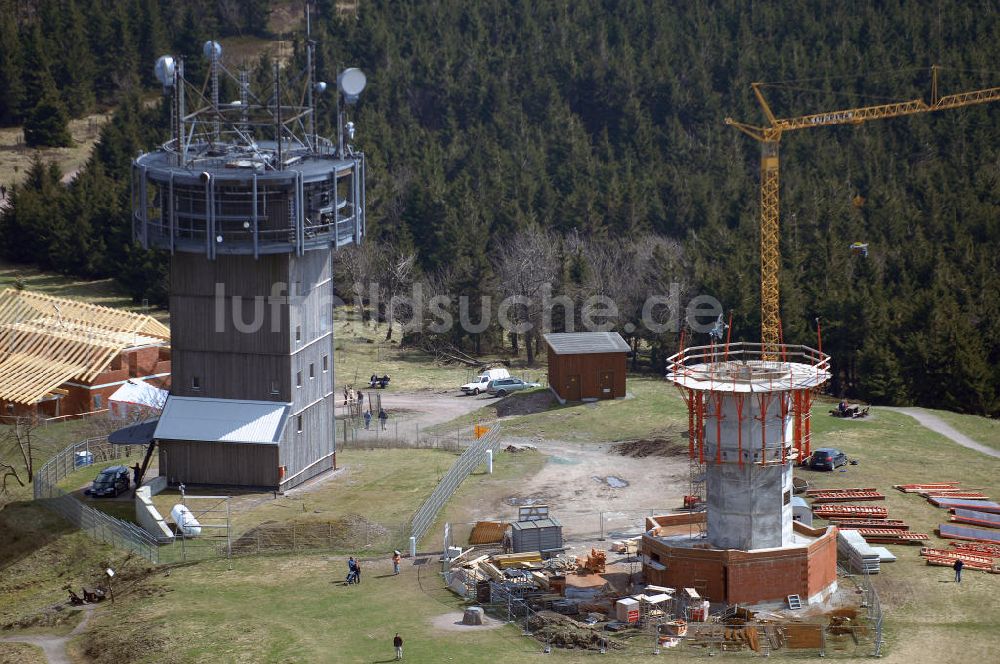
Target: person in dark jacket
x: 958, y: 570
x: 397, y: 643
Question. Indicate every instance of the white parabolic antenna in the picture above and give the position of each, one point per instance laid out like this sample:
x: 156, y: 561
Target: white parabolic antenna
x: 212, y: 49
x: 351, y: 82
x: 164, y: 70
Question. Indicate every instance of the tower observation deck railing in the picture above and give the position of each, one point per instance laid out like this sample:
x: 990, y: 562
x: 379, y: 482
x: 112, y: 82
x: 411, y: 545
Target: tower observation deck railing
x: 744, y: 365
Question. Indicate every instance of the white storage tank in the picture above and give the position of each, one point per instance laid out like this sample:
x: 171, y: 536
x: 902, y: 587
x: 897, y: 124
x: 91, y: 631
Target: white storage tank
x: 186, y: 523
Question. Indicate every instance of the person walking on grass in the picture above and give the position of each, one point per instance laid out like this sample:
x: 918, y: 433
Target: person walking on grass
x: 382, y: 417
x: 958, y: 570
x: 396, y: 557
x: 368, y: 419
x: 397, y: 643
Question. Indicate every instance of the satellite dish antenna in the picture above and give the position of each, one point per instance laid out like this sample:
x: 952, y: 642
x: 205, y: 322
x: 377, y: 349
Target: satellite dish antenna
x: 212, y: 50
x: 351, y: 82
x: 164, y: 70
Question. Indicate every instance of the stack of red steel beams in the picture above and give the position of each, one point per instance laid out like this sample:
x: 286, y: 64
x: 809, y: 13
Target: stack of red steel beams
x: 845, y: 495
x: 947, y: 558
x: 890, y: 536
x: 813, y: 492
x: 978, y: 548
x: 964, y: 495
x: 987, y: 519
x: 854, y: 524
x: 835, y: 510
x: 917, y: 488
x: 965, y: 503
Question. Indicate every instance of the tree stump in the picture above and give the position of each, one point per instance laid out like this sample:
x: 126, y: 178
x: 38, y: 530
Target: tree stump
x: 473, y: 616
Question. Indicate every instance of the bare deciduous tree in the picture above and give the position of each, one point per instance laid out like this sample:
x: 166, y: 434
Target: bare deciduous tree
x: 526, y: 265
x: 17, y: 451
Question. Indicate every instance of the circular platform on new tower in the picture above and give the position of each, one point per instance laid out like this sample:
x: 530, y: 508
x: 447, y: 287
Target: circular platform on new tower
x: 749, y: 367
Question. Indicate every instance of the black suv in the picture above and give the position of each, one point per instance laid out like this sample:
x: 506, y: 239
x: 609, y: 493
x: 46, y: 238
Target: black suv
x: 110, y: 482
x: 827, y: 458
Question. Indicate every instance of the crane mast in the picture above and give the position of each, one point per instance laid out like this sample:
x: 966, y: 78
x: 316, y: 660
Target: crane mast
x: 769, y: 137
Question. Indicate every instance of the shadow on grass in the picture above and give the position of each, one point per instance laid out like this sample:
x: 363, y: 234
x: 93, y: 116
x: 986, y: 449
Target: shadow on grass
x: 26, y: 528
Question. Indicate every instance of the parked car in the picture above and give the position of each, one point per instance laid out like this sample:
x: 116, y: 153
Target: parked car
x: 482, y: 381
x: 504, y: 386
x: 109, y: 482
x: 827, y: 458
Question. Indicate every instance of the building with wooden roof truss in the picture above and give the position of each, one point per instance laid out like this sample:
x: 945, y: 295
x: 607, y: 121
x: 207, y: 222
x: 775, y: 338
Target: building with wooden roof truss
x: 61, y: 357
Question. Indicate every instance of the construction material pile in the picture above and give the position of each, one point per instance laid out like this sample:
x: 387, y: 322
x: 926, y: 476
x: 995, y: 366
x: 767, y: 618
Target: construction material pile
x: 966, y: 506
x: 837, y: 510
x: 843, y: 495
x: 983, y: 561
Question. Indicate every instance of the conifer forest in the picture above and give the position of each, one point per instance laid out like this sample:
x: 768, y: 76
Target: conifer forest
x: 584, y: 142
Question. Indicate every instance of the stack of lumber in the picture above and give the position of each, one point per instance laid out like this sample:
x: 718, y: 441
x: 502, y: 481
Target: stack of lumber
x: 854, y: 524
x: 487, y: 532
x: 964, y: 495
x: 517, y: 560
x: 843, y: 495
x: 891, y: 536
x: 971, y: 560
x: 836, y: 510
x: 860, y: 555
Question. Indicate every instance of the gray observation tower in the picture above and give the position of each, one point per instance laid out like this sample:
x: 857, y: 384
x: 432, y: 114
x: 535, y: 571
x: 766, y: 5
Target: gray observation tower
x: 250, y: 202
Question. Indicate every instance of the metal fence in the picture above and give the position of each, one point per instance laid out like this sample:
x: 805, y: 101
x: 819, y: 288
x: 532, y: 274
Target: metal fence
x: 471, y: 459
x: 95, y: 523
x: 874, y: 608
x: 94, y: 450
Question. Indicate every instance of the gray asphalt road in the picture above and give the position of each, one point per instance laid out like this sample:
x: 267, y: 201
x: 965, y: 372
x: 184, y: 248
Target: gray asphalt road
x: 936, y: 424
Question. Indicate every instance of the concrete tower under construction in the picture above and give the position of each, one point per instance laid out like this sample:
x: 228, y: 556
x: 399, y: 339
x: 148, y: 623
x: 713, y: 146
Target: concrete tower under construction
x: 748, y: 415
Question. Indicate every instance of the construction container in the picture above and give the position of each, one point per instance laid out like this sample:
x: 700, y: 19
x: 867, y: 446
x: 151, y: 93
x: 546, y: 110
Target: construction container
x: 541, y: 535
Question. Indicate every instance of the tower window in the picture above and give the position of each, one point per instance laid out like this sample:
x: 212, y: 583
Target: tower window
x: 298, y: 379
x: 298, y: 333
x: 312, y: 371
x: 274, y: 387
x: 195, y: 383
x: 298, y: 424
x: 326, y: 364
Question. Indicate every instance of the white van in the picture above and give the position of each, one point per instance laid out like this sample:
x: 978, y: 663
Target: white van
x: 482, y: 380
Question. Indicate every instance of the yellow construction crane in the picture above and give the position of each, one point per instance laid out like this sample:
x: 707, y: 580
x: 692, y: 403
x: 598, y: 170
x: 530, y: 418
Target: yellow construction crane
x: 769, y: 137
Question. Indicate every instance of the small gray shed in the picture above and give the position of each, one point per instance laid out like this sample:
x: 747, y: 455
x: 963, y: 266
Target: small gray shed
x: 539, y: 535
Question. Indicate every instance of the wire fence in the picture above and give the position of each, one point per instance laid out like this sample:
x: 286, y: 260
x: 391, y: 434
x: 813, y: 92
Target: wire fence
x: 874, y: 608
x: 470, y: 459
x: 95, y: 523
x: 74, y: 457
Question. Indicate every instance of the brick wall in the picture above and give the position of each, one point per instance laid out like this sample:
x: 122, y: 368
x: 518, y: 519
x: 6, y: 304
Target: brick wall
x: 734, y: 576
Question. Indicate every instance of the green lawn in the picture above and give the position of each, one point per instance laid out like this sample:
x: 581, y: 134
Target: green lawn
x: 925, y: 613
x: 653, y: 408
x: 361, y: 350
x: 980, y: 429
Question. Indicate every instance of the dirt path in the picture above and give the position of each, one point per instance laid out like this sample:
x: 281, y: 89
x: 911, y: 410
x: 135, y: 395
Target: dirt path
x: 425, y: 408
x: 54, y: 647
x: 937, y: 425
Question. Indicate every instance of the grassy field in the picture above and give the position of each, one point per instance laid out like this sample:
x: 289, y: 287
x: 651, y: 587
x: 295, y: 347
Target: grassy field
x: 104, y: 292
x: 980, y: 429
x: 17, y: 156
x: 652, y: 409
x: 361, y: 350
x: 925, y: 613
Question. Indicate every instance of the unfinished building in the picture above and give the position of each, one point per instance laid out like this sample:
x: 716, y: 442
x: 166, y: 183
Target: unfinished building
x: 64, y: 358
x: 748, y: 416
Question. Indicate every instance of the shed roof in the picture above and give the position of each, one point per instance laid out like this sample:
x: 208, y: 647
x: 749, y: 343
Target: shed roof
x: 536, y: 524
x: 45, y: 341
x: 578, y: 343
x: 140, y: 393
x: 222, y: 420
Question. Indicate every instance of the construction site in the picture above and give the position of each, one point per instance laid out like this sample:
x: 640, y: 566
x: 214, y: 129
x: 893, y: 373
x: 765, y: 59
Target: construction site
x: 708, y: 509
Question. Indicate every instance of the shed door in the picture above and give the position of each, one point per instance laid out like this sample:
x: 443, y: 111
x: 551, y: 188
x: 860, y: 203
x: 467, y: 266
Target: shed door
x: 606, y: 385
x: 571, y: 392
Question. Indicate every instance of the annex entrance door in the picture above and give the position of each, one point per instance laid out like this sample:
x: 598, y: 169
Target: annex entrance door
x: 572, y: 389
x: 606, y: 385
